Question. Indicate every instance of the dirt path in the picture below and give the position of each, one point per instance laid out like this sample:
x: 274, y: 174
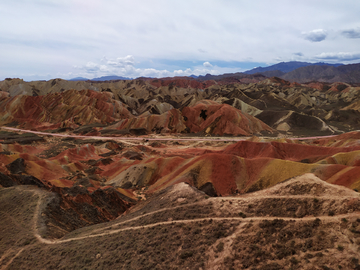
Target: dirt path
x: 34, y: 226
x: 217, y: 139
x: 124, y: 138
x: 250, y: 219
x: 164, y: 223
x: 249, y: 198
x: 36, y: 222
x: 12, y: 259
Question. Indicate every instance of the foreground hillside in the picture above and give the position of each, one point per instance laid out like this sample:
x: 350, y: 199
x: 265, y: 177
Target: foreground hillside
x: 177, y: 173
x: 299, y: 224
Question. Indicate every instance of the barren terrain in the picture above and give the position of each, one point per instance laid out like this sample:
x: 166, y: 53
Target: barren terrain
x: 179, y: 174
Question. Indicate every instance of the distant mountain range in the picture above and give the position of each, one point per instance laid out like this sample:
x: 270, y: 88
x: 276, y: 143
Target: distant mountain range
x: 286, y: 67
x: 325, y: 73
x: 79, y: 79
x: 300, y: 72
x: 293, y: 71
x: 103, y: 78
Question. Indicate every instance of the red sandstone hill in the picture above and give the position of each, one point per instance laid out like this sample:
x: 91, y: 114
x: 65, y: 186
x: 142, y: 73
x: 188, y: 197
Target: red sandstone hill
x: 220, y: 119
x: 73, y: 108
x: 68, y: 109
x: 330, y: 108
x: 241, y: 167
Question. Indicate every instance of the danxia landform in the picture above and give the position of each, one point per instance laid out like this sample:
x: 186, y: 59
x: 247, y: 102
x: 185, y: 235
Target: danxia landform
x: 240, y: 171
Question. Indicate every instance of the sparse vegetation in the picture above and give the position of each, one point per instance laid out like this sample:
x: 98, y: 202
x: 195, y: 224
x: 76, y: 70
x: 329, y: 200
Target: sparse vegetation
x: 293, y: 260
x: 220, y: 247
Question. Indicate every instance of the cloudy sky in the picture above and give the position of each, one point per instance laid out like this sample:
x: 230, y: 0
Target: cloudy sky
x: 44, y: 39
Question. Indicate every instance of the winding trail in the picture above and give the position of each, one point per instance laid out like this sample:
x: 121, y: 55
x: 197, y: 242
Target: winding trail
x: 34, y: 225
x: 217, y: 139
x: 12, y: 259
x: 243, y: 198
x: 183, y: 221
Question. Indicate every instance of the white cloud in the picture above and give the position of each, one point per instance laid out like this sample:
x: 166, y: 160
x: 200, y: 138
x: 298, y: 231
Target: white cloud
x: 122, y: 61
x: 339, y: 56
x: 91, y: 67
x: 103, y: 68
x: 316, y: 35
x: 120, y: 66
